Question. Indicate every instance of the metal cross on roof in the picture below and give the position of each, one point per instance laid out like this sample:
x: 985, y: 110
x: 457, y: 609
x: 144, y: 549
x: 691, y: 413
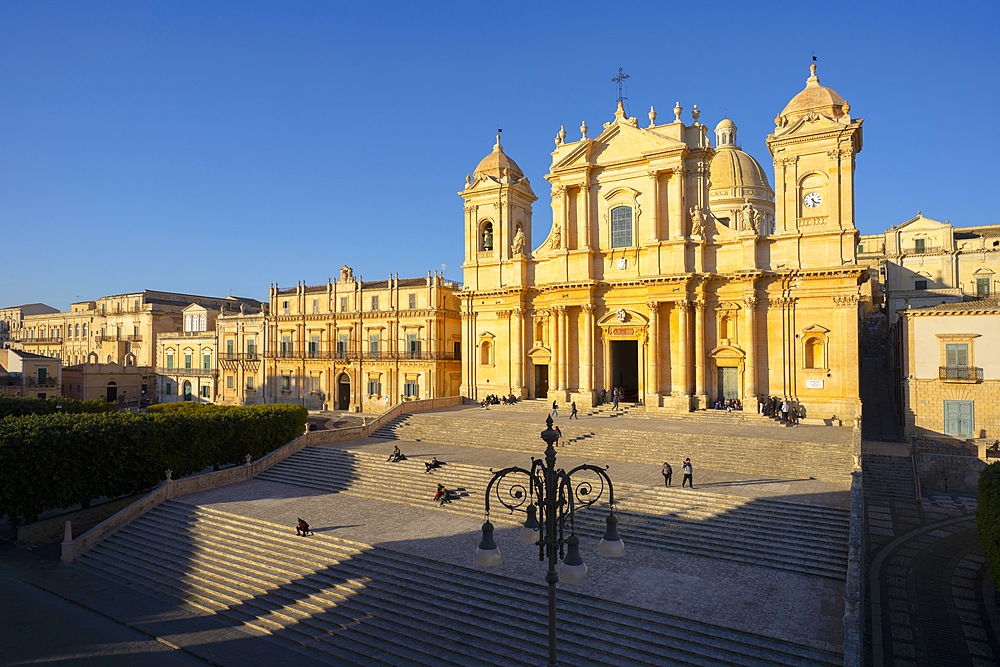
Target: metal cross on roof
x: 620, y: 80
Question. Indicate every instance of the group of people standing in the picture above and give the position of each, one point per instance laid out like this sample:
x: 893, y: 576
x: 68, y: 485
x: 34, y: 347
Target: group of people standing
x: 779, y: 408
x: 617, y: 396
x: 687, y: 469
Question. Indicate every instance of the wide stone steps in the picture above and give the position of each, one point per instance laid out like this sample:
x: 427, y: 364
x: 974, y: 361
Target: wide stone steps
x: 889, y: 477
x: 755, y: 456
x: 354, y: 604
x: 787, y: 536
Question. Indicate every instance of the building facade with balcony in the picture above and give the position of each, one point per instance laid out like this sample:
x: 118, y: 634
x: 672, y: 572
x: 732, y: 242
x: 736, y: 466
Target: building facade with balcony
x: 120, y: 329
x: 242, y: 340
x: 12, y: 319
x: 363, y: 346
x: 186, y: 368
x: 924, y: 262
x: 29, y: 375
x: 951, y: 369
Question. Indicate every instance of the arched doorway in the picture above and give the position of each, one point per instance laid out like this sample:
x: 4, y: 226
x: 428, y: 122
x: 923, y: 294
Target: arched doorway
x: 187, y: 390
x: 112, y: 396
x: 343, y: 392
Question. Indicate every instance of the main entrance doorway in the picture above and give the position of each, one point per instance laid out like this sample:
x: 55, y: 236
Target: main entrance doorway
x: 344, y: 392
x: 728, y: 383
x: 112, y: 392
x: 625, y: 368
x: 541, y: 381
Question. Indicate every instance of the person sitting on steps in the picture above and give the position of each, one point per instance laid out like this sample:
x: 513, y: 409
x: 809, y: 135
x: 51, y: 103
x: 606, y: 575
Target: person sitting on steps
x: 396, y: 455
x: 302, y: 528
x: 442, y: 496
x: 432, y: 464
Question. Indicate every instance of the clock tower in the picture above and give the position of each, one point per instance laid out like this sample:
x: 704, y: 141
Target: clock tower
x: 814, y: 145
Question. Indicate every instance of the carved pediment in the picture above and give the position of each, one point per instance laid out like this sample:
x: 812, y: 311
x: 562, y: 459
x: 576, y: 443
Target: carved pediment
x: 623, y: 317
x: 816, y: 329
x: 619, y: 142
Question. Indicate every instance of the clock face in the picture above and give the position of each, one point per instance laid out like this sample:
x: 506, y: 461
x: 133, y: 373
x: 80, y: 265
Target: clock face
x: 812, y: 200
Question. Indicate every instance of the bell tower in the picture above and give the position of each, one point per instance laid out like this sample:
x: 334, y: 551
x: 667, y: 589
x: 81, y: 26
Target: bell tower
x: 498, y: 202
x: 814, y: 145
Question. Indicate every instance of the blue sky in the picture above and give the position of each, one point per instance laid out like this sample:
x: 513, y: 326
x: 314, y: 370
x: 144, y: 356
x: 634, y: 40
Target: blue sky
x: 217, y: 147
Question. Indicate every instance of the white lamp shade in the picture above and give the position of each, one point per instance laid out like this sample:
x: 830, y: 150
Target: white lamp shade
x: 611, y: 548
x: 573, y: 574
x: 528, y: 535
x: 488, y: 557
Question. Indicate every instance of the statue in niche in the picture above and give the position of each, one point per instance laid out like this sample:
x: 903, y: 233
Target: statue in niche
x: 697, y: 221
x: 749, y: 216
x: 556, y: 236
x: 346, y: 273
x: 517, y: 247
x: 488, y: 238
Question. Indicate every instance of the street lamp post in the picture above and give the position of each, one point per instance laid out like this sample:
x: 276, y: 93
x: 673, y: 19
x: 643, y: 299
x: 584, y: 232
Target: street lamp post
x: 550, y: 498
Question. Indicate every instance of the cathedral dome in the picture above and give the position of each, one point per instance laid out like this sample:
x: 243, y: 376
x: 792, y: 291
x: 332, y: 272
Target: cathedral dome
x: 734, y: 171
x: 497, y: 163
x: 815, y: 98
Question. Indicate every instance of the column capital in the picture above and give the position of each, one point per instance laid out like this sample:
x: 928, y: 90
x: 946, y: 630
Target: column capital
x: 684, y: 305
x: 504, y: 314
x: 653, y: 306
x: 846, y: 300
x: 588, y: 308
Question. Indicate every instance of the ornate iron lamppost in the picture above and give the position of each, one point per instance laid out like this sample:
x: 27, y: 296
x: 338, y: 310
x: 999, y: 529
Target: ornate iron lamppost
x: 550, y: 498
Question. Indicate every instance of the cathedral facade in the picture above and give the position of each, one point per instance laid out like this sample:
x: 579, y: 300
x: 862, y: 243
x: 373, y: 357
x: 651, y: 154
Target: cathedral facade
x: 672, y: 268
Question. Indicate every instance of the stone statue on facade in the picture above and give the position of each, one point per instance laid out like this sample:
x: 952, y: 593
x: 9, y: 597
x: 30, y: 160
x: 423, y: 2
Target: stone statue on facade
x: 488, y: 239
x: 697, y: 221
x: 517, y: 247
x: 749, y: 216
x: 556, y: 236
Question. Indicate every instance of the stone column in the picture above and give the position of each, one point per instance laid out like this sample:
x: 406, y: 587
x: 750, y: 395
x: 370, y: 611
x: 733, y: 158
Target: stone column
x: 587, y: 355
x: 654, y: 206
x: 683, y: 317
x: 563, y: 316
x: 517, y: 349
x: 653, y: 389
x: 585, y: 200
x: 750, y: 382
x: 677, y: 213
x: 699, y: 348
x: 556, y: 346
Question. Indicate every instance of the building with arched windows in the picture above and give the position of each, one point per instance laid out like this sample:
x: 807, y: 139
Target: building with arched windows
x: 672, y: 268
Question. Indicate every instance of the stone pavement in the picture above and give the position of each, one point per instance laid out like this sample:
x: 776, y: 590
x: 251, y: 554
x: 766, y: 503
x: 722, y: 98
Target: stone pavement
x: 930, y: 598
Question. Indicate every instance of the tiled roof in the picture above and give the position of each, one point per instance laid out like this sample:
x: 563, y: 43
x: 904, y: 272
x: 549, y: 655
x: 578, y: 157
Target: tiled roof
x: 989, y: 304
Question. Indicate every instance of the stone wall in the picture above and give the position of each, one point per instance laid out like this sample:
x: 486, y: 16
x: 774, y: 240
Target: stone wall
x: 952, y: 474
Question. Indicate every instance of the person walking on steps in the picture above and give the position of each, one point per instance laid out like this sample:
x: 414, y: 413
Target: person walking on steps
x: 667, y: 473
x: 555, y: 409
x: 572, y: 411
x: 688, y: 474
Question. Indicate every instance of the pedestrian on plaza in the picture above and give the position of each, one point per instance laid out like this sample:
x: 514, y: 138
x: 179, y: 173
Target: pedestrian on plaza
x: 667, y: 473
x: 760, y: 404
x: 604, y: 396
x: 614, y: 398
x: 442, y: 496
x: 793, y: 415
x: 558, y: 435
x: 572, y: 411
x: 688, y: 473
x: 555, y: 409
x: 302, y: 528
x: 784, y: 411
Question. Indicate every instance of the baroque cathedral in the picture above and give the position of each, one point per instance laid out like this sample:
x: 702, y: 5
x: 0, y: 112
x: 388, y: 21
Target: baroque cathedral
x: 672, y: 268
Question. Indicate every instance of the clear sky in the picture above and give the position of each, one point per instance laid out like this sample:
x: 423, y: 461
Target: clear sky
x: 216, y: 147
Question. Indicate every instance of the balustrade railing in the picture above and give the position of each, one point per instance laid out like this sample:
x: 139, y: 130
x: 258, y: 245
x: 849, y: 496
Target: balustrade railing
x: 960, y: 373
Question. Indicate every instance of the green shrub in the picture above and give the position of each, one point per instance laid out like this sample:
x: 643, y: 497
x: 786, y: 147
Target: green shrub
x: 49, y: 461
x: 20, y: 407
x: 988, y: 518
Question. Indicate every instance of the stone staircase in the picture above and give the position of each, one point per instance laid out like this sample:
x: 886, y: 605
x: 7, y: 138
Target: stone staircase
x: 889, y: 477
x: 628, y: 442
x: 352, y: 604
x: 774, y: 534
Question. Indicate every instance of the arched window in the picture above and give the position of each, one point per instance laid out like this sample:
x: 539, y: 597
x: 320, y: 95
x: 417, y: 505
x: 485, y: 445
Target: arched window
x: 725, y: 324
x: 84, y: 330
x: 814, y: 353
x: 187, y: 323
x: 485, y: 353
x: 201, y: 323
x: 621, y: 227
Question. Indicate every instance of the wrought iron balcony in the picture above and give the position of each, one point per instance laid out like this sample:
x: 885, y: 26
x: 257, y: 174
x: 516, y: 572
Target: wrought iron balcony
x: 208, y: 372
x: 960, y: 373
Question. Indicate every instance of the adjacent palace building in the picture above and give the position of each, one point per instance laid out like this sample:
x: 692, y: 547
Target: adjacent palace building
x: 672, y: 269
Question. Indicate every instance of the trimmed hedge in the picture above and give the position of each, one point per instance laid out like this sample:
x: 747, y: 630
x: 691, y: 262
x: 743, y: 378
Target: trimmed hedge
x: 13, y: 406
x: 57, y: 460
x: 988, y: 518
